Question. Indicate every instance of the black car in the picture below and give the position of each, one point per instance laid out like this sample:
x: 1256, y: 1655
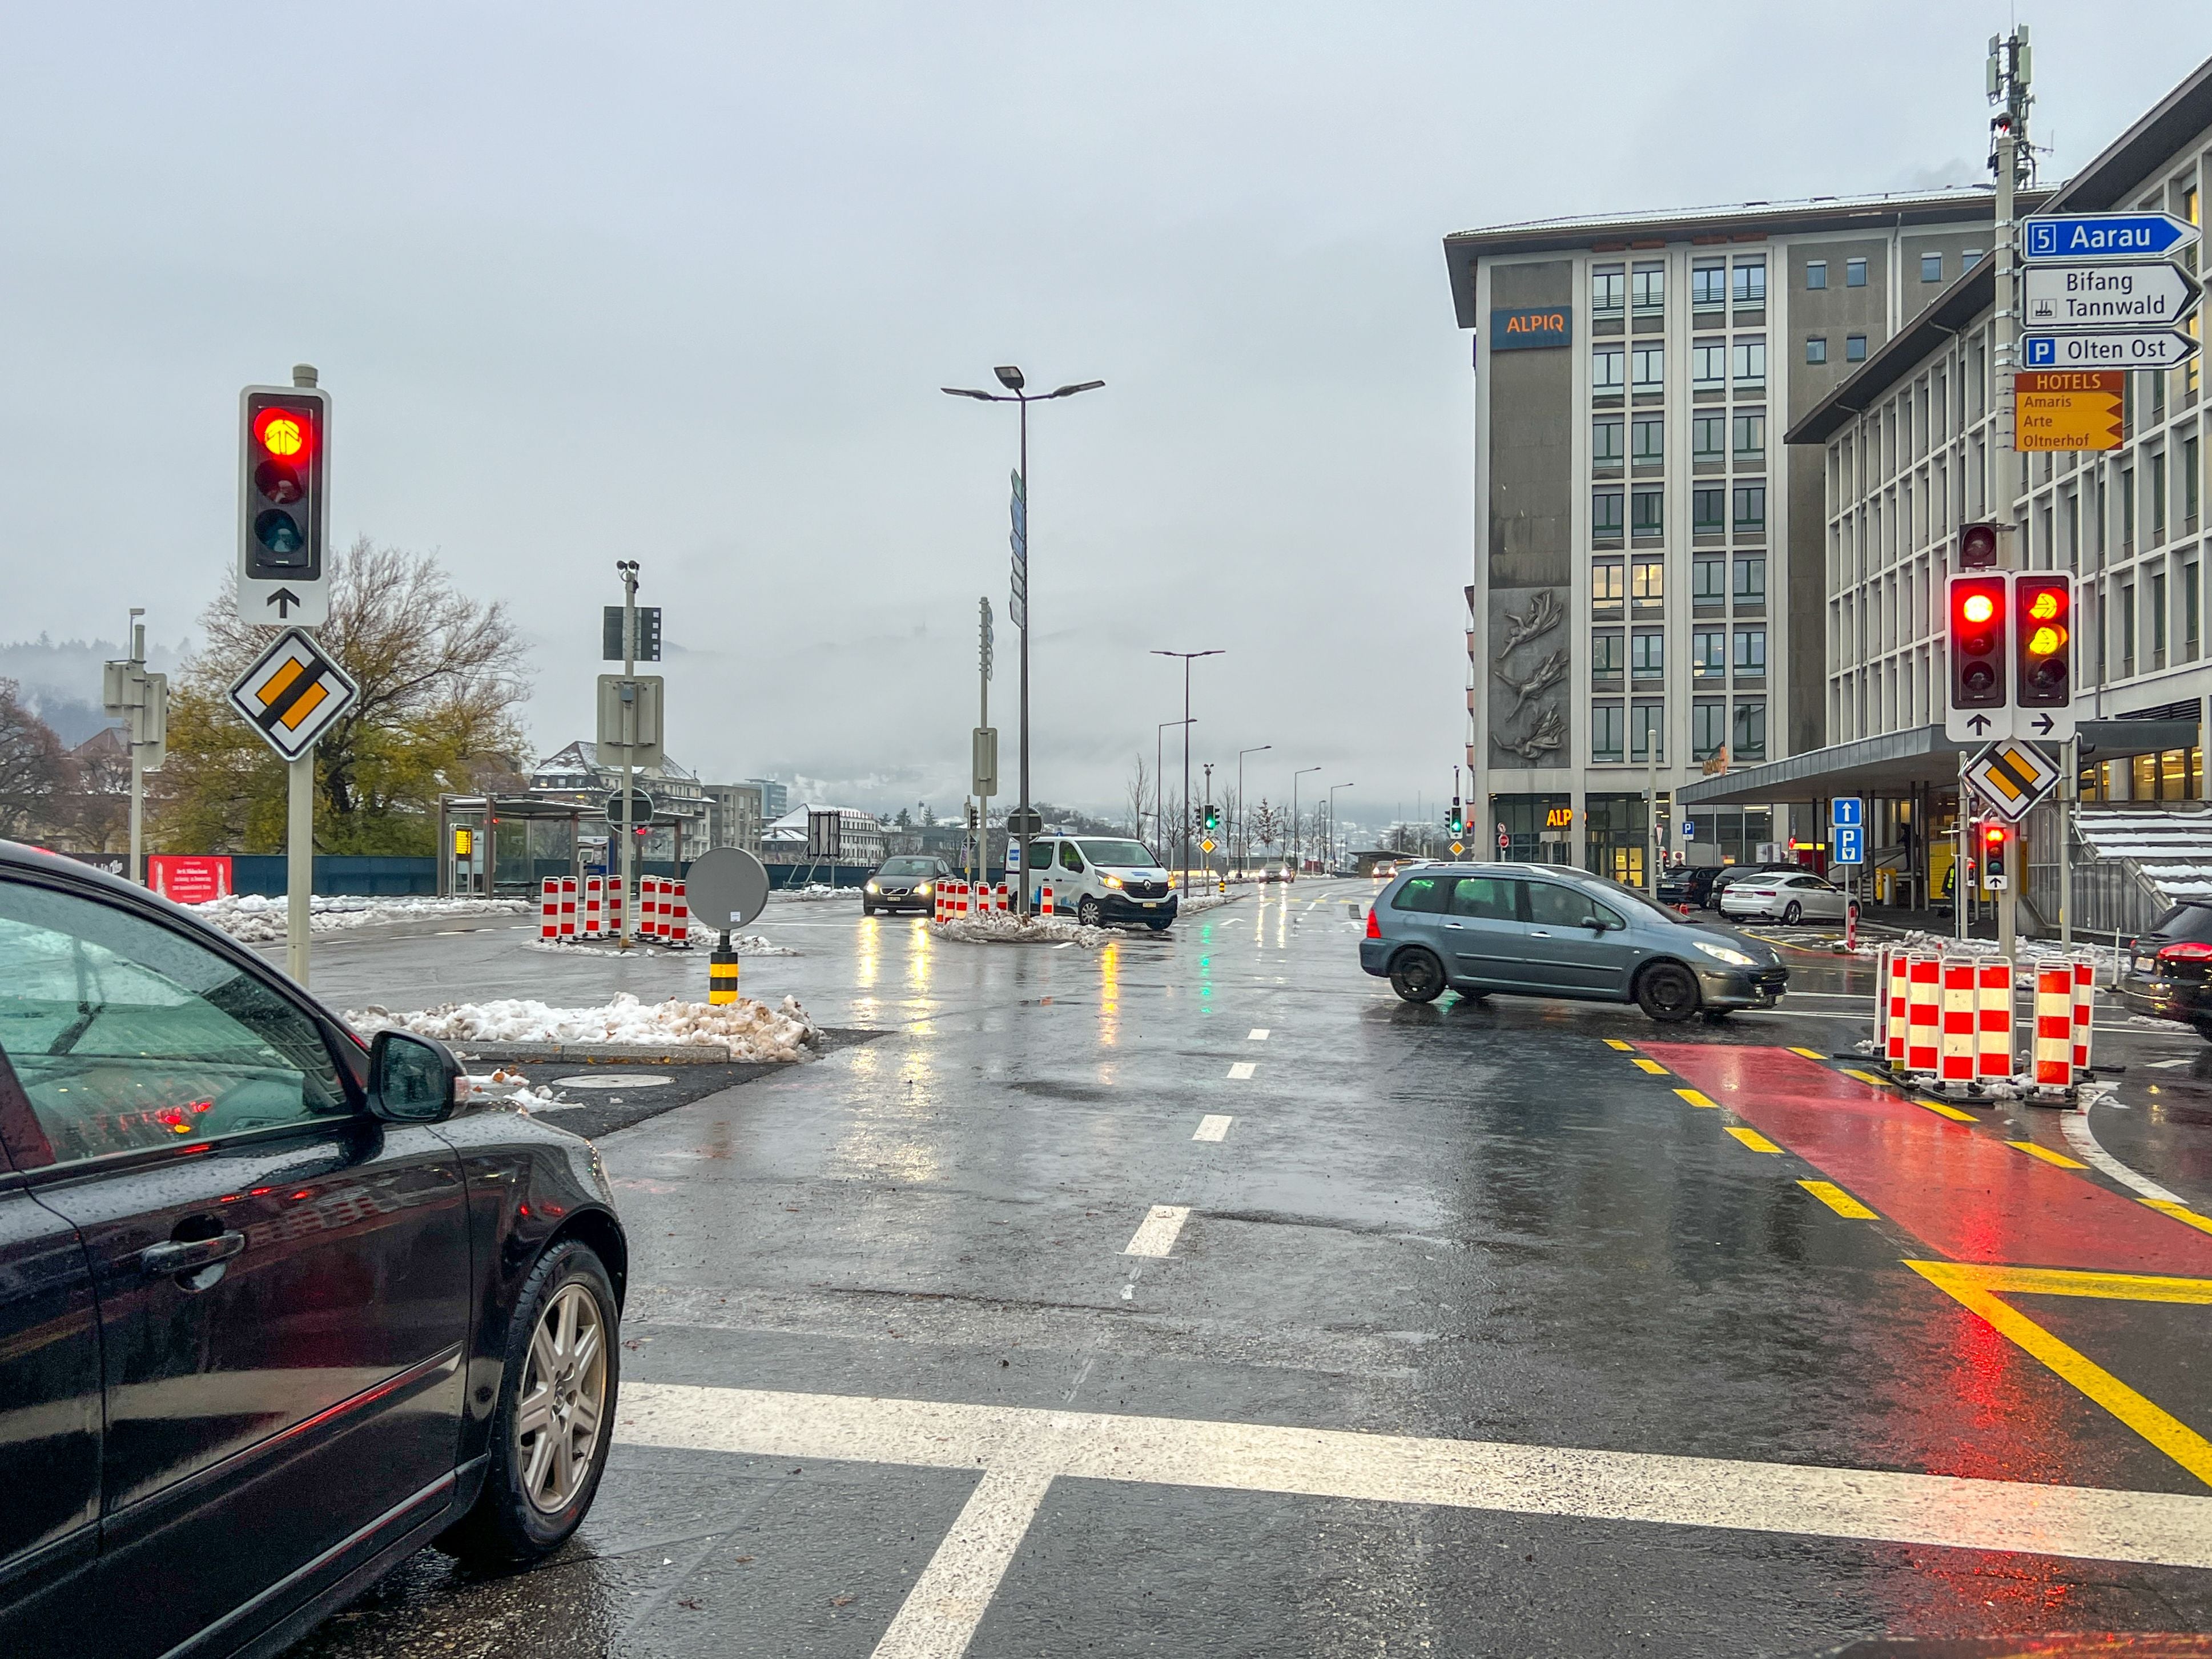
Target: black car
x: 2169, y: 971
x: 904, y: 883
x: 1688, y: 884
x: 278, y: 1307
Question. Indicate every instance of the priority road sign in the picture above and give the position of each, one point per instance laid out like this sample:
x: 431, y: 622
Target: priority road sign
x: 2104, y: 236
x: 1206, y: 845
x: 2012, y: 776
x: 2154, y: 348
x: 1458, y: 846
x: 293, y: 693
x: 1848, y: 843
x: 2154, y: 293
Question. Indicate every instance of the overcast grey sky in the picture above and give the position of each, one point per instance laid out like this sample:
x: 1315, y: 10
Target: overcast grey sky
x: 680, y: 284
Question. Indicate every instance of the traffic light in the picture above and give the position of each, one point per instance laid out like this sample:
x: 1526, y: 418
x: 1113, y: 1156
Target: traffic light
x: 971, y: 818
x: 1978, y: 547
x: 2042, y: 624
x: 1213, y: 817
x: 1455, y: 820
x: 1996, y: 839
x: 283, y: 505
x: 1977, y: 641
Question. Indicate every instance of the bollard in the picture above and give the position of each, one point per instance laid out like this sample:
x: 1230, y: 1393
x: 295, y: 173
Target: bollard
x: 959, y: 898
x: 595, y: 906
x: 2085, y: 1004
x: 677, y: 923
x: 999, y: 901
x: 939, y: 900
x: 615, y: 899
x: 1899, y: 995
x: 722, y: 974
x: 549, y: 910
x: 1850, y: 923
x: 1993, y: 1021
x: 1923, y: 1015
x: 1956, y: 1062
x: 2054, y: 1026
x: 568, y: 908
x: 1046, y: 910
x: 648, y: 907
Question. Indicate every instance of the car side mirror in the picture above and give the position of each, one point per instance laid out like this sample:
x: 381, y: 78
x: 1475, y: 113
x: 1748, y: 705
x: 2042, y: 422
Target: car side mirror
x: 412, y: 1079
x: 1596, y: 924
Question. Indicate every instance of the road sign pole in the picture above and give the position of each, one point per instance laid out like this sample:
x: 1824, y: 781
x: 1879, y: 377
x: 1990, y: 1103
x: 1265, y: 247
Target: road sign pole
x: 299, y: 862
x: 2009, y: 133
x: 138, y: 754
x: 629, y: 750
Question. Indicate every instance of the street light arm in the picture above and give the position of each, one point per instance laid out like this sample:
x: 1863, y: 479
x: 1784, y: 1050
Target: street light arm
x: 1070, y: 390
x: 980, y: 397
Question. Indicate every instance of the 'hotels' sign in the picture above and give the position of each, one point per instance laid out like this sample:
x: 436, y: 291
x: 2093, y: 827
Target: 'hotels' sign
x: 1522, y: 329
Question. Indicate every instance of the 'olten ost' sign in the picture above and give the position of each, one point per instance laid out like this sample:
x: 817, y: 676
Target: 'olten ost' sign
x: 1522, y: 330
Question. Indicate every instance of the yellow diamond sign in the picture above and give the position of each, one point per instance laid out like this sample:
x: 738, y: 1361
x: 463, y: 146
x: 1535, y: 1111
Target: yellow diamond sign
x: 1206, y: 846
x: 293, y: 693
x: 1458, y: 847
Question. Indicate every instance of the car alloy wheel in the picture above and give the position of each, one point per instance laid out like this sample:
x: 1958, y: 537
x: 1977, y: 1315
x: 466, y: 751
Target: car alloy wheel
x: 564, y: 1395
x: 1792, y: 913
x: 1087, y: 911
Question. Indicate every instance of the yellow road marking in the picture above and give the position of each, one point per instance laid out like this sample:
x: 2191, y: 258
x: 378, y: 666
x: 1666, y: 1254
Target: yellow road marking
x: 1942, y: 1110
x: 1752, y: 1138
x: 1809, y: 1054
x: 2046, y: 1155
x: 1615, y: 1042
x: 1868, y: 1077
x: 1651, y: 1065
x: 2181, y: 1212
x: 1976, y: 1288
x: 1837, y: 1199
x: 1697, y: 1099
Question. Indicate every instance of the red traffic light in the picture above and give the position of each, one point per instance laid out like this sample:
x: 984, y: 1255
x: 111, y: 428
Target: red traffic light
x: 1977, y: 641
x: 1994, y: 834
x: 1978, y: 608
x: 285, y: 435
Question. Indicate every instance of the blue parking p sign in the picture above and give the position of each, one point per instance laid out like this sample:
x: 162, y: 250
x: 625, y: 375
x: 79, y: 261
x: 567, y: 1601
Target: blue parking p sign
x: 1850, y: 844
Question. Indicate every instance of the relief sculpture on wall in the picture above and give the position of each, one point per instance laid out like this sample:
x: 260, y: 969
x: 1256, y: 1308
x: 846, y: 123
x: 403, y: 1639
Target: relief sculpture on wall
x: 1544, y: 730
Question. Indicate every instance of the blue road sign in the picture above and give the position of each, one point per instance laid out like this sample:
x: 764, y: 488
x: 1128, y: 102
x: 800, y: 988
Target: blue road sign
x: 2149, y: 348
x: 2105, y: 236
x: 1850, y: 844
x: 1846, y: 811
x: 1689, y: 828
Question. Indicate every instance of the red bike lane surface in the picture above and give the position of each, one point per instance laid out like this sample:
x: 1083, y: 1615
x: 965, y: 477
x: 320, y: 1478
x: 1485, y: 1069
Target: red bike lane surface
x: 1957, y: 1187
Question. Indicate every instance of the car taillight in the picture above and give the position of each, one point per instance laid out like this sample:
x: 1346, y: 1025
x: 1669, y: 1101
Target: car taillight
x: 2186, y: 951
x: 1374, y: 924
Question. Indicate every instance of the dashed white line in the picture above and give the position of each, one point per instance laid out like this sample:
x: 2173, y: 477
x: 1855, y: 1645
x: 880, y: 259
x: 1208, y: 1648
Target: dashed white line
x: 1257, y: 1033
x: 1156, y: 1236
x: 1212, y: 1127
x: 1242, y: 1069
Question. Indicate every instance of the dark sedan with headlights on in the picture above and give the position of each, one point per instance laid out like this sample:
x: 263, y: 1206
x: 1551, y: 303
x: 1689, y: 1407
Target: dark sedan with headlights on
x: 904, y: 883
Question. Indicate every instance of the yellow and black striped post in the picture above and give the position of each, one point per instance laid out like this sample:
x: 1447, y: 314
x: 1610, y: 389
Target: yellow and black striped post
x: 722, y: 974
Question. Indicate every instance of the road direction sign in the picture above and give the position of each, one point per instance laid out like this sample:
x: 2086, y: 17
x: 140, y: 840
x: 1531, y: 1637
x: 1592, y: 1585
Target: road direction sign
x: 629, y: 720
x: 726, y: 887
x: 2104, y: 236
x: 983, y: 761
x: 2073, y: 408
x: 2154, y: 293
x: 2154, y: 348
x: 292, y: 692
x: 1849, y: 844
x: 640, y: 808
x: 1846, y: 812
x: 2012, y: 776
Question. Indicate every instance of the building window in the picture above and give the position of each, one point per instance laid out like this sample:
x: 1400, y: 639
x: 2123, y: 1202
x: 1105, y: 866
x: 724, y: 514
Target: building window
x: 2127, y: 511
x: 1650, y: 366
x: 1931, y: 267
x: 1607, y: 366
x: 1606, y: 507
x: 1708, y: 362
x: 1649, y: 441
x: 1855, y: 348
x: 1650, y: 733
x: 2191, y: 479
x: 1816, y: 273
x: 1650, y: 512
x: 2157, y: 620
x: 1751, y: 361
x: 2158, y: 496
x: 1854, y: 273
x: 1647, y: 654
x: 1708, y: 728
x: 1816, y: 349
x: 1605, y: 582
x: 2127, y: 629
x: 1969, y: 259
x: 1708, y: 287
x: 1751, y: 282
x: 2192, y: 599
x: 1707, y: 577
x: 1751, y: 652
x: 1750, y: 732
x: 1707, y: 511
x: 1708, y: 653
x: 1647, y: 581
x: 1751, y: 581
x: 1607, y: 283
x: 1750, y: 434
x: 1705, y: 437
x: 1606, y: 723
x: 1605, y: 443
x: 1648, y: 288
x: 1751, y: 507
x: 1605, y: 654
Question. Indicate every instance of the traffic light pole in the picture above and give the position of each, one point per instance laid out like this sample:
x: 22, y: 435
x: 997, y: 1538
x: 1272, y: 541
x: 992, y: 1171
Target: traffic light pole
x: 137, y: 757
x: 629, y: 750
x: 2009, y: 130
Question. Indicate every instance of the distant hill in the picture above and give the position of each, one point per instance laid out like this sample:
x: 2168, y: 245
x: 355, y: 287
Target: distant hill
x: 61, y: 678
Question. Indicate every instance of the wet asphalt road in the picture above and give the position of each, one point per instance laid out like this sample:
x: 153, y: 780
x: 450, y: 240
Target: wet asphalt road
x: 1498, y: 1222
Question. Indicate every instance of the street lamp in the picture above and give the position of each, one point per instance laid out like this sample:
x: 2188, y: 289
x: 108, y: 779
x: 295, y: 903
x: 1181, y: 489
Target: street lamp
x: 1298, y: 836
x: 1243, y: 815
x: 1182, y: 830
x: 1011, y: 378
x: 1159, y: 778
x: 1331, y: 854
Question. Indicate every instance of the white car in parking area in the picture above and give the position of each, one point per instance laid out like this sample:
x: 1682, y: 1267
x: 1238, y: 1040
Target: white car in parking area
x: 1784, y: 895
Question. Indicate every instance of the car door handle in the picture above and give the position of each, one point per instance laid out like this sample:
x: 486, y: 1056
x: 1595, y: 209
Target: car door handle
x: 1455, y: 924
x: 1540, y: 932
x: 187, y: 1254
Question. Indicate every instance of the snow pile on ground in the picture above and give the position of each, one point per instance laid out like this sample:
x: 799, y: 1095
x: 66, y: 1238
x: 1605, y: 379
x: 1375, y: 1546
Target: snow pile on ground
x: 255, y: 919
x: 2110, y: 961
x: 507, y: 1087
x: 816, y: 889
x: 702, y: 938
x: 1192, y: 904
x: 751, y: 1030
x: 1004, y: 928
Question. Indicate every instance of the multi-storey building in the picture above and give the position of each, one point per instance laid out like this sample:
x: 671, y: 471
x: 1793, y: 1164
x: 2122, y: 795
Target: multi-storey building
x: 1647, y: 600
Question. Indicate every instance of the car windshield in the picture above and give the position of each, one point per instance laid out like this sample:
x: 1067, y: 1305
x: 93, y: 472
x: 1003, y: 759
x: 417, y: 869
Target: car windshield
x: 907, y: 868
x: 1118, y: 854
x: 2185, y: 921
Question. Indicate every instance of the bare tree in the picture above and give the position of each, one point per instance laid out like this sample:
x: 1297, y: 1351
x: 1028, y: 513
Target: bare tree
x: 1266, y: 826
x: 34, y: 770
x: 1140, y: 796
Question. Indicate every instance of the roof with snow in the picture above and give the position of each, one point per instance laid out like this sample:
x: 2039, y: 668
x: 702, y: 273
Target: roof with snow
x: 2172, y: 847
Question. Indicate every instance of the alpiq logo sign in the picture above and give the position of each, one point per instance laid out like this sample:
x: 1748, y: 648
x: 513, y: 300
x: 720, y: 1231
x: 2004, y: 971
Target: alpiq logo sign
x: 1526, y: 329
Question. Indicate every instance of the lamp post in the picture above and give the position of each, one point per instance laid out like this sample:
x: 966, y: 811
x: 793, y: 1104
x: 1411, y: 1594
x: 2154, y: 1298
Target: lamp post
x: 1333, y: 788
x: 1243, y: 812
x: 1011, y: 378
x: 1298, y: 834
x: 1160, y: 780
x: 1182, y: 830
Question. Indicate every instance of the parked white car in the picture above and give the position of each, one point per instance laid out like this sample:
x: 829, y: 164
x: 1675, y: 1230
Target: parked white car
x: 1101, y: 879
x: 1785, y: 897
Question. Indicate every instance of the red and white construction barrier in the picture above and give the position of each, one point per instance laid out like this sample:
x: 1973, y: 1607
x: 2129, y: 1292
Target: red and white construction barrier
x: 1046, y: 909
x: 2053, y: 1064
x: 1896, y: 992
x: 568, y: 910
x: 549, y: 909
x: 591, y: 922
x: 1946, y: 1022
x: 675, y: 932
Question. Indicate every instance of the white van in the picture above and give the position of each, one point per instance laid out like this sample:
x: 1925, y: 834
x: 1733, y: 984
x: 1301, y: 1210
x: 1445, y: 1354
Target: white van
x: 1100, y: 879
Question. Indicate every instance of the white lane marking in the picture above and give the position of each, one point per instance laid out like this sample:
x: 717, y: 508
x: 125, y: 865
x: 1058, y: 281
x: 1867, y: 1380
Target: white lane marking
x: 1242, y: 1069
x: 1257, y: 1033
x: 1212, y: 1127
x: 1157, y: 1234
x: 2164, y: 1528
x: 2074, y: 1126
x: 940, y: 1613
